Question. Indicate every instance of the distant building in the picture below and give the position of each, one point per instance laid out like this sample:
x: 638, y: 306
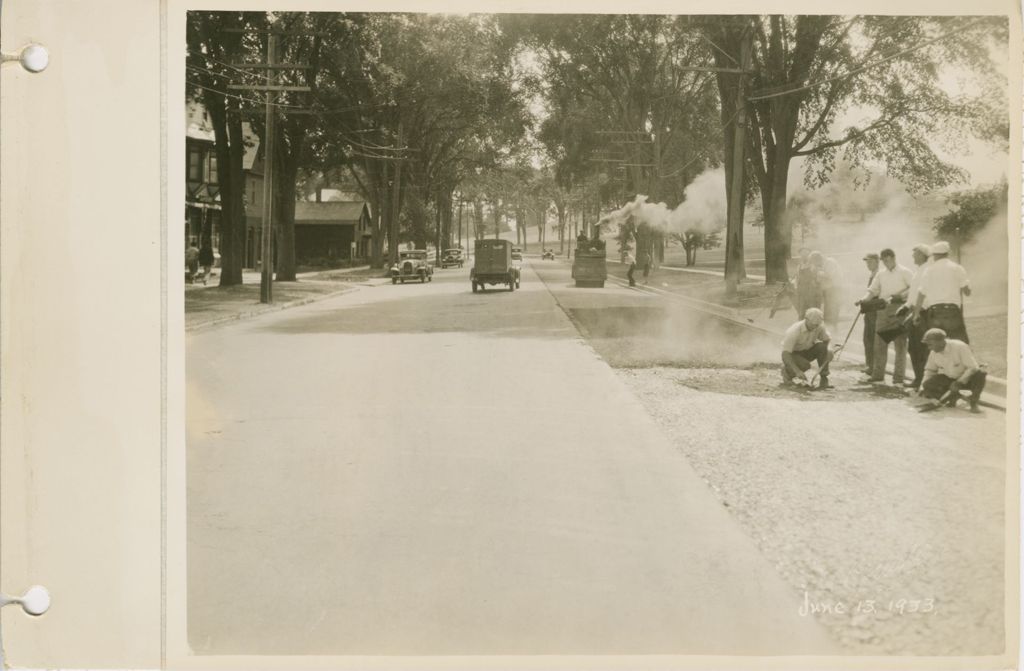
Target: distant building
x: 324, y: 232
x: 202, y: 186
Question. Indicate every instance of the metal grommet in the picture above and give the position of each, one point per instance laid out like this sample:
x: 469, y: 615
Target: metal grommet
x: 32, y: 57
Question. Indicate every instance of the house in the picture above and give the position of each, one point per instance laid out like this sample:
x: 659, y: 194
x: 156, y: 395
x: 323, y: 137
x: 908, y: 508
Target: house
x: 332, y: 230
x: 202, y: 186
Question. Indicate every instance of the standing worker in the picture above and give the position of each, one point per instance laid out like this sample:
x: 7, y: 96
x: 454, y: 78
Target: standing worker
x: 631, y: 262
x: 806, y: 341
x: 808, y: 284
x: 943, y: 286
x: 871, y: 261
x: 891, y: 283
x: 915, y: 338
x: 831, y: 281
x: 648, y: 261
x: 951, y: 366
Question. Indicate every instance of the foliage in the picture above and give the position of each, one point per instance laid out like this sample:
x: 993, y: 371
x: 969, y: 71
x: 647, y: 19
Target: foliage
x: 971, y: 211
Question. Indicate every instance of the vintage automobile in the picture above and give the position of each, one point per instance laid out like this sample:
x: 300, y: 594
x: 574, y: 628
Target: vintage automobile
x: 452, y: 257
x: 493, y: 265
x: 517, y: 253
x: 589, y: 267
x: 412, y: 265
x: 549, y: 255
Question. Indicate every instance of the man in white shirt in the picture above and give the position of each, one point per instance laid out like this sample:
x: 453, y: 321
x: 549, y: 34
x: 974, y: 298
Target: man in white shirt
x: 892, y: 284
x: 943, y: 286
x: 915, y: 344
x: 806, y: 341
x: 951, y: 366
x: 871, y: 261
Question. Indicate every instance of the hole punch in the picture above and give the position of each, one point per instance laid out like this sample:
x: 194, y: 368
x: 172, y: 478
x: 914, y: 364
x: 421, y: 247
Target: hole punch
x: 35, y: 601
x: 32, y: 57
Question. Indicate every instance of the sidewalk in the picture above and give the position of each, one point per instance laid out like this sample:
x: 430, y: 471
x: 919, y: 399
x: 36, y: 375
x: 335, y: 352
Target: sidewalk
x: 210, y: 304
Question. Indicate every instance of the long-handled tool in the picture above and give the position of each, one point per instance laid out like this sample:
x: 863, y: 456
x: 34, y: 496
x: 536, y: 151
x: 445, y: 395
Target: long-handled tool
x: 935, y: 405
x: 839, y: 350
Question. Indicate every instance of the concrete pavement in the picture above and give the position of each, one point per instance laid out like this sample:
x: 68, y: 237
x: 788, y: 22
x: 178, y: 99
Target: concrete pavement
x: 416, y: 469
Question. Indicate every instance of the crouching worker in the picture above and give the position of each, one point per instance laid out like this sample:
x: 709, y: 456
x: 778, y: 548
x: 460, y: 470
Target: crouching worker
x: 805, y: 341
x: 951, y: 367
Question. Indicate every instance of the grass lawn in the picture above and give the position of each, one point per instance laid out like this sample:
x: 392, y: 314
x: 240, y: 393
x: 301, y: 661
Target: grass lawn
x: 207, y: 304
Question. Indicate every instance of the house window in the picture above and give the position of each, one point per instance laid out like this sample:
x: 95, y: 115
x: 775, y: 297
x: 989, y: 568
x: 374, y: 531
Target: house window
x: 211, y: 172
x: 195, y: 165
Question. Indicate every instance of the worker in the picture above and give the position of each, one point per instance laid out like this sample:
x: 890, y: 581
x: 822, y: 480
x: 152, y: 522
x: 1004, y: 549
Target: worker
x: 631, y: 264
x: 805, y: 341
x: 915, y: 344
x: 831, y: 282
x: 871, y: 261
x: 943, y: 286
x: 892, y: 284
x: 808, y: 284
x: 951, y: 366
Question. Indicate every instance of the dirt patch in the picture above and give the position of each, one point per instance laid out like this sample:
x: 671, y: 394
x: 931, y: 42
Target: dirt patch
x: 209, y: 304
x: 766, y: 381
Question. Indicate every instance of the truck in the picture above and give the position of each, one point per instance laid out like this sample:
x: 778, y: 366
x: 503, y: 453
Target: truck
x: 589, y: 267
x: 493, y: 265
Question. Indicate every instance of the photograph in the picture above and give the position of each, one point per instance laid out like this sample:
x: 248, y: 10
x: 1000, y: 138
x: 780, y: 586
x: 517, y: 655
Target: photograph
x: 596, y: 333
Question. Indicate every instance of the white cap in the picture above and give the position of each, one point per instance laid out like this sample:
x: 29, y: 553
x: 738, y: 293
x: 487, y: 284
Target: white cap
x: 940, y: 248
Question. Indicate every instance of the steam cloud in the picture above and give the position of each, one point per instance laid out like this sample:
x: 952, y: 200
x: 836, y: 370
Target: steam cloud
x: 703, y: 209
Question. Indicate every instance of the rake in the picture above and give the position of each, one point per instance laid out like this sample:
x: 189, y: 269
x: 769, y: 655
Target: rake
x: 839, y: 350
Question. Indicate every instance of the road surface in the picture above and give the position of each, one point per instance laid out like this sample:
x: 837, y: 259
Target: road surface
x: 417, y: 469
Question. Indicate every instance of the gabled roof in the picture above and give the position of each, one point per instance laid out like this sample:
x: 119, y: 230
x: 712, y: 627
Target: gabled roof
x: 334, y: 212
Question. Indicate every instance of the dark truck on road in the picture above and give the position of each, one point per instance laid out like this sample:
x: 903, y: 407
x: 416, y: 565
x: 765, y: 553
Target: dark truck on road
x: 493, y: 265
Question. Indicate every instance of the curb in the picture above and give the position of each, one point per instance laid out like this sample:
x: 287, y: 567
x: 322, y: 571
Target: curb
x: 272, y: 308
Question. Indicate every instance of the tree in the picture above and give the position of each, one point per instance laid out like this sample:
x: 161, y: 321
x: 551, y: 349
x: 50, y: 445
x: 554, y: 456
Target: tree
x: 970, y: 212
x: 811, y: 71
x: 215, y: 40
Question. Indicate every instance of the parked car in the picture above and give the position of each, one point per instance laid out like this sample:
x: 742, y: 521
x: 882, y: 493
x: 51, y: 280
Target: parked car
x: 452, y: 257
x: 517, y: 253
x: 493, y: 265
x: 412, y: 265
x: 549, y: 255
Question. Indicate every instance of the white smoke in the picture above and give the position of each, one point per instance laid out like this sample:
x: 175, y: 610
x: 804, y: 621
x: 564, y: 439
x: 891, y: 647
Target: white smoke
x: 703, y: 209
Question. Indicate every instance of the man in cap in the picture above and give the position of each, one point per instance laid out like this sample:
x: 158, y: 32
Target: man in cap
x: 943, y: 286
x: 915, y: 343
x: 951, y: 366
x: 891, y: 284
x: 871, y: 261
x: 806, y: 341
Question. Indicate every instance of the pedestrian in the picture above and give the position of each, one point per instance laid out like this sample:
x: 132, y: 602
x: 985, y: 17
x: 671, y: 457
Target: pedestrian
x: 831, y: 282
x: 631, y: 261
x: 206, y: 260
x: 943, y: 286
x: 871, y: 261
x: 192, y: 260
x: 892, y: 284
x: 951, y: 366
x: 648, y: 261
x: 915, y: 344
x: 808, y: 284
x: 805, y: 341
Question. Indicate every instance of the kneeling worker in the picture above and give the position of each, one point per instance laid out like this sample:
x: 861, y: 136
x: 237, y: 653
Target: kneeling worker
x: 951, y: 367
x: 806, y: 341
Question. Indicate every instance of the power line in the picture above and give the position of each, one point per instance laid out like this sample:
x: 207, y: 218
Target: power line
x: 867, y: 66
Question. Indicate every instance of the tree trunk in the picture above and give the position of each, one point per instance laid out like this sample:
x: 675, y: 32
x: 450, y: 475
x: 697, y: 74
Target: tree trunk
x: 778, y: 234
x: 227, y: 130
x: 284, y: 220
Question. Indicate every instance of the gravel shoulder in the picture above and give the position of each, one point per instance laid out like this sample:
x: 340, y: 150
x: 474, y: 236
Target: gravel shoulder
x: 889, y: 522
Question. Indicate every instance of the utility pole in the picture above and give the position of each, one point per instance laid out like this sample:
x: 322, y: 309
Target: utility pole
x: 266, y: 268
x: 734, y: 229
x: 270, y: 89
x: 396, y: 203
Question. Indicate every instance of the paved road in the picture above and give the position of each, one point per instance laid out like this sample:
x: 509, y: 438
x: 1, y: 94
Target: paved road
x: 438, y: 472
